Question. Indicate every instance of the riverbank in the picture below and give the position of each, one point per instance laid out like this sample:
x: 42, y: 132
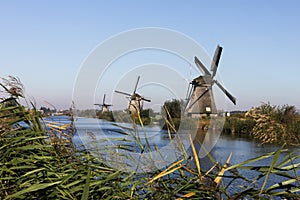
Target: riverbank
x: 34, y: 167
x: 77, y: 173
x: 267, y: 124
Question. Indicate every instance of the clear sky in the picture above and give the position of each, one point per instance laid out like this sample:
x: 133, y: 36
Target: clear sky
x: 44, y: 43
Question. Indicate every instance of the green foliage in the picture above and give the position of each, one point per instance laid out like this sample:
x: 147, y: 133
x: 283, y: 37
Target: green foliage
x: 34, y: 164
x: 268, y: 124
x: 108, y: 116
x: 89, y: 113
x: 275, y: 124
x: 121, y: 116
x: 146, y: 115
x: 285, y: 169
x: 173, y: 107
x: 238, y: 125
x: 171, y: 111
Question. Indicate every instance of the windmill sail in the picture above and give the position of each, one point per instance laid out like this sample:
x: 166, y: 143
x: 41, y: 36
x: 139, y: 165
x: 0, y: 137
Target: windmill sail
x: 136, y: 101
x: 104, y: 106
x: 232, y: 98
x: 215, y: 61
x: 202, y: 101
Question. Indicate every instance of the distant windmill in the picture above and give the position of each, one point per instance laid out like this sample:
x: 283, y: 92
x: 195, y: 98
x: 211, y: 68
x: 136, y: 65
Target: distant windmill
x: 136, y: 100
x: 200, y: 100
x: 104, y: 106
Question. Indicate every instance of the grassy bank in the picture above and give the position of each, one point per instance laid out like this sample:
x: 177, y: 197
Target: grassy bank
x: 36, y: 164
x: 267, y: 124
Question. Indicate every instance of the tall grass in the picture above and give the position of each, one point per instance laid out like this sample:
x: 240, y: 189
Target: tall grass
x: 36, y: 164
x: 276, y: 124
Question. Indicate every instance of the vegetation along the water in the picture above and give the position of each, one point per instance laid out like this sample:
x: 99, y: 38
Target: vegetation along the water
x: 267, y: 124
x: 37, y: 164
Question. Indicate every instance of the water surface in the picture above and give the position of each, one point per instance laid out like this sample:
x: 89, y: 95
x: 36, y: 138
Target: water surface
x: 153, y: 137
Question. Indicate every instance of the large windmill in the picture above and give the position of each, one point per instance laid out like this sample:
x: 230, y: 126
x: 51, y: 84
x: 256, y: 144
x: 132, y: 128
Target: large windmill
x: 200, y: 100
x: 104, y: 106
x: 135, y: 101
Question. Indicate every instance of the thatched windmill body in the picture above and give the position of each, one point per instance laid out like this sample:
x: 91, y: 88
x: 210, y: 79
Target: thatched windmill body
x: 200, y: 100
x: 104, y: 106
x: 135, y: 100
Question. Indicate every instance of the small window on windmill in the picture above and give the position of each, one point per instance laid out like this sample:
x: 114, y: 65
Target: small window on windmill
x: 207, y: 109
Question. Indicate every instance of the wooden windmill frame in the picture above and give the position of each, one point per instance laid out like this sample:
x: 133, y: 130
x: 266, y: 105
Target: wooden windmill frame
x: 104, y: 106
x: 200, y: 99
x: 135, y: 100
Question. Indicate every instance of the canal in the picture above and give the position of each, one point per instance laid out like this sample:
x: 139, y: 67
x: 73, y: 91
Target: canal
x: 99, y: 136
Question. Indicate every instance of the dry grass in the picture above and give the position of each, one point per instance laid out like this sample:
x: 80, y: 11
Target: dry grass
x: 35, y: 166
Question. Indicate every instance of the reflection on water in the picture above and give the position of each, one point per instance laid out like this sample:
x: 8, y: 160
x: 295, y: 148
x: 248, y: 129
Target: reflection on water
x: 242, y: 148
x: 106, y: 134
x: 130, y: 147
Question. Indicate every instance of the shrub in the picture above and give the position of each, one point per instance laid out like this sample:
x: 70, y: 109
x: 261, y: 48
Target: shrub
x: 275, y: 124
x: 239, y: 126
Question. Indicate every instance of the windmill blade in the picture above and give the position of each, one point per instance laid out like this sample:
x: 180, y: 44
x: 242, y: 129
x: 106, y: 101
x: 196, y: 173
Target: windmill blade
x: 97, y: 104
x: 199, y: 98
x: 187, y: 92
x: 137, y: 82
x: 189, y: 96
x: 202, y: 67
x: 232, y: 98
x: 215, y: 61
x: 103, y: 102
x: 146, y: 99
x: 124, y: 93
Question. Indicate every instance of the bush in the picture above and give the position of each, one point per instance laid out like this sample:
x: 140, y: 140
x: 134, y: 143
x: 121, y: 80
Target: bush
x: 108, y: 116
x: 238, y: 126
x: 275, y: 124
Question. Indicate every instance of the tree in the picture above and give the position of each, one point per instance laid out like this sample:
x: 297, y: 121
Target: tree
x: 108, y: 116
x: 173, y: 108
x: 171, y: 112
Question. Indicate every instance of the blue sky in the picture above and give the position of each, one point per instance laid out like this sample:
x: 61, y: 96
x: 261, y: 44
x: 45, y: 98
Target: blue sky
x: 44, y: 43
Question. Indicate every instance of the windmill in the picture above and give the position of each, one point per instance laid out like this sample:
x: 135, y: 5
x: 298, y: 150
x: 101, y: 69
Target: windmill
x: 135, y: 100
x: 200, y: 100
x: 104, y: 106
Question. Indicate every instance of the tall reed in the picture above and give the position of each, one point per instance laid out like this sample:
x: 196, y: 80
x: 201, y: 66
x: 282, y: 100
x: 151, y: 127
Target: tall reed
x: 34, y: 164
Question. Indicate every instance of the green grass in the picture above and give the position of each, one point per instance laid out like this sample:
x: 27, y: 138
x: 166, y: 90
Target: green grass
x: 36, y: 164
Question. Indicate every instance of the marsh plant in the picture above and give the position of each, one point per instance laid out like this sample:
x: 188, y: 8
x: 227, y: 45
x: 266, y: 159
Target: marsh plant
x: 38, y: 162
x: 275, y: 124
